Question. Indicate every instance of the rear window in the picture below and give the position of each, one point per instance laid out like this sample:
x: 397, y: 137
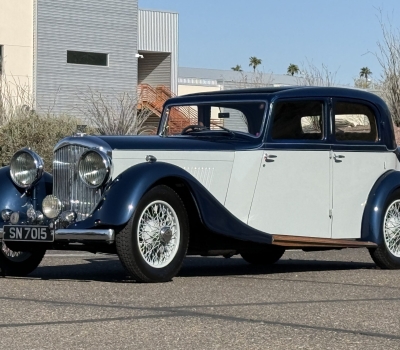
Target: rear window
x: 355, y: 122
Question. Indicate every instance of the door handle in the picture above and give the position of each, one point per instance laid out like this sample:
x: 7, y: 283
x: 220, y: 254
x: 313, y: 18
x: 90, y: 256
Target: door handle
x: 268, y: 158
x: 338, y: 157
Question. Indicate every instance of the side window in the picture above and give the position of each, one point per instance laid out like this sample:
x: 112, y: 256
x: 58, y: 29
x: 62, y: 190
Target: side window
x: 355, y: 122
x: 298, y: 120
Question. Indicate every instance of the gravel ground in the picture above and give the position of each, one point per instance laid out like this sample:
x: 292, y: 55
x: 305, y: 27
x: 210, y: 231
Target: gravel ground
x: 319, y: 300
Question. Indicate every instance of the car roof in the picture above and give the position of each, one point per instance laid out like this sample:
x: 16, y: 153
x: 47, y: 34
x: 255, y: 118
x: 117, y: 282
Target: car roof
x: 288, y: 92
x: 264, y: 90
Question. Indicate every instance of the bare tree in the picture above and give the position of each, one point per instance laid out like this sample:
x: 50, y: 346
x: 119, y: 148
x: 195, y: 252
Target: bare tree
x: 16, y: 99
x: 389, y: 59
x: 21, y: 126
x: 253, y: 80
x: 116, y: 115
x: 311, y: 75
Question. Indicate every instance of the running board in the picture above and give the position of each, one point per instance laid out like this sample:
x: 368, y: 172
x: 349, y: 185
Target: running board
x: 311, y: 242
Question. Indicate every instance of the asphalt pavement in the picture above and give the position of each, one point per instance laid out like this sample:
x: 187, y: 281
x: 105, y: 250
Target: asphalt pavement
x: 318, y: 300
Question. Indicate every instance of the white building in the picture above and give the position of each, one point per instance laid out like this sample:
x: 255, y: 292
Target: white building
x: 192, y: 80
x: 63, y: 48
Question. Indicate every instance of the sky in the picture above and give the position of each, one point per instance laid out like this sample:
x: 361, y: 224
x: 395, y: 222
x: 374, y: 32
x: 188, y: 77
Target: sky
x: 341, y: 34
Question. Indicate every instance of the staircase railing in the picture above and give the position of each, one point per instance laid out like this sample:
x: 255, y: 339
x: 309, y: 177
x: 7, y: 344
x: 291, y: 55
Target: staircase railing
x: 154, y: 98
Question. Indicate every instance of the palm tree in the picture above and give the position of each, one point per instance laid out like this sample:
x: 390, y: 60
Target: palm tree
x: 237, y: 68
x: 293, y: 69
x: 365, y: 72
x: 254, y: 62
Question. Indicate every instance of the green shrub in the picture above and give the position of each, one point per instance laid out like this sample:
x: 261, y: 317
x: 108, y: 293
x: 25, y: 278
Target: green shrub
x: 40, y: 133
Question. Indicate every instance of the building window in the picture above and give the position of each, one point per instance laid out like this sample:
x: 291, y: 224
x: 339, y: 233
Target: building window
x: 91, y: 58
x: 1, y: 59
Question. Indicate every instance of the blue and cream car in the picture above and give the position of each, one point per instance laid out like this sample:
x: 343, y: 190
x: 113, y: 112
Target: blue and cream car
x: 251, y: 172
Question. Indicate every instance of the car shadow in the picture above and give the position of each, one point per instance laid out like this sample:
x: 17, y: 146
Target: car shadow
x: 110, y: 269
x: 229, y: 267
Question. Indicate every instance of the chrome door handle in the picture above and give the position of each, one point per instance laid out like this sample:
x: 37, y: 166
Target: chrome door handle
x: 337, y: 157
x: 269, y: 157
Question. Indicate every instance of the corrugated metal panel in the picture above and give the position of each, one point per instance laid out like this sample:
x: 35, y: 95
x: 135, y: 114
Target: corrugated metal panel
x: 107, y: 26
x: 158, y: 32
x: 155, y: 69
x: 235, y: 120
x: 34, y: 50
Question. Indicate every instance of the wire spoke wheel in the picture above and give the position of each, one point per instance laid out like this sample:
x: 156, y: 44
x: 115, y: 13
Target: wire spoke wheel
x: 158, y: 234
x: 12, y: 255
x: 19, y: 263
x: 154, y: 242
x: 391, y: 228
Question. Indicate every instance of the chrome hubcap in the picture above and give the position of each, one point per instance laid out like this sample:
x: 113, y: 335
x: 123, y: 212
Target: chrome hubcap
x: 158, y: 234
x: 391, y: 228
x: 13, y: 255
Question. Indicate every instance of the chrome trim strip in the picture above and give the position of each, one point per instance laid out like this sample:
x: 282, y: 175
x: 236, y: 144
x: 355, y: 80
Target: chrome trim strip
x: 107, y: 235
x: 85, y: 141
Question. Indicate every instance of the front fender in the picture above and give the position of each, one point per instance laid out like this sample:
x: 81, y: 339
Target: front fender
x: 10, y: 194
x: 122, y: 196
x: 375, y: 208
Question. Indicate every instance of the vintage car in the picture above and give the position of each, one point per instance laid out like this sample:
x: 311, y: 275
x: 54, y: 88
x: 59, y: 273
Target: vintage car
x: 251, y: 172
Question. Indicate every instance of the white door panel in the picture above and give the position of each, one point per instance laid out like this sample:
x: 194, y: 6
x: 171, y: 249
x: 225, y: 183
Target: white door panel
x: 354, y: 174
x: 211, y: 169
x: 292, y: 194
x: 243, y: 182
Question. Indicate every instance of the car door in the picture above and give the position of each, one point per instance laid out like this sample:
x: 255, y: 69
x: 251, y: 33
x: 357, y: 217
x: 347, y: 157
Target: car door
x: 292, y: 194
x: 359, y: 158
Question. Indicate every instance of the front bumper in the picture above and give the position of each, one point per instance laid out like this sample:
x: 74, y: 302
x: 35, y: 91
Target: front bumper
x: 80, y: 236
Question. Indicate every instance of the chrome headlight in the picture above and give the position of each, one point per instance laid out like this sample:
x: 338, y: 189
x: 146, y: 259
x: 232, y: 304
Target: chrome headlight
x: 26, y: 168
x: 94, y: 168
x: 51, y: 206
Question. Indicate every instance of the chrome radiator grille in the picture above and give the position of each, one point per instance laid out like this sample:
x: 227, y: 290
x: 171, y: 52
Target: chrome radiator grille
x: 67, y: 185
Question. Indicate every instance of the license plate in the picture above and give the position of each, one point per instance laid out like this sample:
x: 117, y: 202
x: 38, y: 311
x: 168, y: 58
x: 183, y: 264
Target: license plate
x: 27, y: 233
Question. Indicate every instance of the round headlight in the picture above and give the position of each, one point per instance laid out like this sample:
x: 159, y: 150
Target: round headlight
x: 51, y: 206
x: 26, y: 167
x: 94, y: 168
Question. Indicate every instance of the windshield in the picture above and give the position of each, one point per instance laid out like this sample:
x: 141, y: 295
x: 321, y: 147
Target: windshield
x: 216, y: 118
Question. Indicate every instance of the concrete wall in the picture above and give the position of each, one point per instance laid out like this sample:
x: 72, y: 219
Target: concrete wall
x: 158, y: 32
x: 107, y: 26
x: 16, y: 36
x: 193, y: 89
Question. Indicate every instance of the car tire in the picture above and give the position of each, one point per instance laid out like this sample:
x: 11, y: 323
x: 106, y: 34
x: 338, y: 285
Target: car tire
x: 266, y: 256
x: 19, y: 263
x: 387, y: 254
x: 154, y: 242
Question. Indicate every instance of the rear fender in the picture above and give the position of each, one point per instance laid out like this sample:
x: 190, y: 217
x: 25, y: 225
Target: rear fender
x: 122, y: 196
x: 374, y: 211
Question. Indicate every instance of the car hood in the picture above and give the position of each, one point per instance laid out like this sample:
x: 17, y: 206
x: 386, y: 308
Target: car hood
x: 111, y: 143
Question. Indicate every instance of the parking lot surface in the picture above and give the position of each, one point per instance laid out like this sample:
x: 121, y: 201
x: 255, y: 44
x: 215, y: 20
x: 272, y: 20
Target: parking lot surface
x: 319, y: 300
